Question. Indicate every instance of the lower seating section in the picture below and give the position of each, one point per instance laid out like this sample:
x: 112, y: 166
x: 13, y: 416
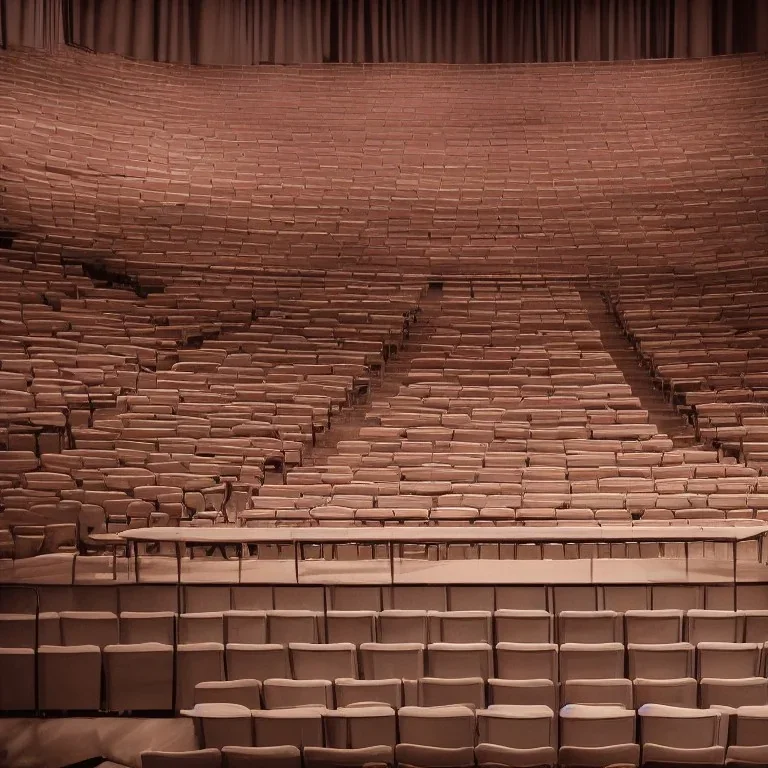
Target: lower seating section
x: 460, y: 736
x: 137, y: 661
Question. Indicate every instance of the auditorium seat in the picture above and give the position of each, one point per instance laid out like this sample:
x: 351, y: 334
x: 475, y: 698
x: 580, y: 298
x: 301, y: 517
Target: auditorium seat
x: 298, y: 727
x: 244, y: 692
x: 597, y: 735
x: 526, y: 735
x: 360, y: 727
x: 199, y: 758
x: 221, y: 725
x: 676, y: 734
x: 282, y: 694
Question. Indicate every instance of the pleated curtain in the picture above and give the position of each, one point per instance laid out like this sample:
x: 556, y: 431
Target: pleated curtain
x: 243, y: 32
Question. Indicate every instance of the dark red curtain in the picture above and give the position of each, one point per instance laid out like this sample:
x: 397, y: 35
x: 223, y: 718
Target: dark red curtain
x: 31, y: 23
x: 450, y: 31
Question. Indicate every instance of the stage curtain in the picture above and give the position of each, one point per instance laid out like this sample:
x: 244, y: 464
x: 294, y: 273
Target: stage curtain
x: 441, y: 31
x: 31, y: 24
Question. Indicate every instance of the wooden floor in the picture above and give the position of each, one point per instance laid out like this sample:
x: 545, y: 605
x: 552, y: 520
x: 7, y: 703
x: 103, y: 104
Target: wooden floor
x: 52, y: 743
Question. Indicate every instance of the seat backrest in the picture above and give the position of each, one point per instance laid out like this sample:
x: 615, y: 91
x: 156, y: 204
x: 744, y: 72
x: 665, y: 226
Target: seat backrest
x: 679, y: 727
x: 261, y: 757
x: 387, y: 691
x: 585, y: 661
x: 246, y: 692
x: 356, y: 627
x: 654, y: 626
x: 589, y: 627
x: 310, y: 661
x: 201, y: 627
x: 461, y: 626
x: 258, y: 661
x: 403, y: 626
x: 404, y: 661
x: 460, y: 660
x: 680, y: 692
x: 523, y: 626
x: 197, y: 663
x: 613, y: 691
x: 520, y: 727
x: 245, y: 626
x: 147, y: 627
x: 713, y: 626
x: 420, y: 756
x: 729, y: 660
x: 451, y: 727
x: 739, y: 692
x: 221, y: 725
x: 751, y: 726
x: 594, y: 726
x: 298, y: 626
x: 328, y: 757
x: 527, y: 661
x: 70, y: 677
x: 661, y: 662
x: 439, y: 691
x: 138, y: 676
x: 298, y: 727
x: 360, y: 727
x: 281, y: 693
x: 199, y: 758
x: 89, y: 628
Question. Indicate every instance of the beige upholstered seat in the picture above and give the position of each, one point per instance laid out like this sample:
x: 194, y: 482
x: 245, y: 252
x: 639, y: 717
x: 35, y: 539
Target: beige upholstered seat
x: 261, y: 757
x: 200, y: 758
x: 221, y: 725
x: 597, y: 736
x: 70, y: 677
x: 138, y: 677
x: 281, y: 694
x: 247, y: 693
x: 680, y: 735
x: 296, y: 727
x: 360, y: 727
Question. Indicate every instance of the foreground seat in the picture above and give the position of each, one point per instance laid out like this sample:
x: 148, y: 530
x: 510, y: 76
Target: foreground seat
x: 70, y: 677
x: 300, y: 727
x: 17, y: 672
x: 597, y: 736
x: 327, y: 757
x: 517, y: 736
x: 360, y: 727
x: 420, y: 756
x: 446, y: 727
x: 748, y: 743
x: 221, y: 725
x: 198, y: 758
x: 261, y: 757
x: 138, y: 677
x: 675, y: 735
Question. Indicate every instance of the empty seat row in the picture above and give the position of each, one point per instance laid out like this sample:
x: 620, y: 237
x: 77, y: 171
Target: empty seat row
x: 164, y: 677
x: 277, y: 693
x: 459, y: 737
x: 357, y: 627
